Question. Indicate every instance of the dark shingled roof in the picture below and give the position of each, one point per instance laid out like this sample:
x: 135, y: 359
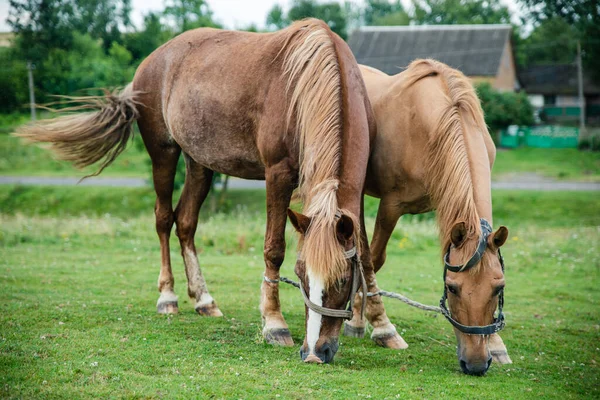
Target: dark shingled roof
x: 555, y: 79
x: 476, y: 50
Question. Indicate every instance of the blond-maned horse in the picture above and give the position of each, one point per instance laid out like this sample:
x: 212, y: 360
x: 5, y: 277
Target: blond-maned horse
x: 288, y: 107
x: 433, y: 151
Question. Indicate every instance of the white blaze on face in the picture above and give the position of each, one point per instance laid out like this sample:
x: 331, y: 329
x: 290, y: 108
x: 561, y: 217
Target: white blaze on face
x: 313, y: 325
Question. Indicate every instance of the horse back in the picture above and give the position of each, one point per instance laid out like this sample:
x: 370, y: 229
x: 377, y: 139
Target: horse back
x: 208, y: 90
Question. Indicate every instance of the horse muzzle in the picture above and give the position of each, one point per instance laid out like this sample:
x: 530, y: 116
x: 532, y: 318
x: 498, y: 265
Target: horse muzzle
x: 475, y: 368
x: 322, y: 354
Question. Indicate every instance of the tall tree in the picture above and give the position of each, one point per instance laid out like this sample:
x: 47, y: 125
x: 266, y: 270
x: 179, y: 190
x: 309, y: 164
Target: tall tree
x: 189, y: 14
x: 553, y: 41
x: 332, y: 13
x: 276, y: 18
x: 382, y: 12
x: 98, y: 18
x: 40, y: 25
x: 460, y: 12
x: 584, y: 15
x: 148, y: 39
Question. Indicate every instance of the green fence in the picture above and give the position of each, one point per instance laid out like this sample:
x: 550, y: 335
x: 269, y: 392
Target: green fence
x: 548, y: 136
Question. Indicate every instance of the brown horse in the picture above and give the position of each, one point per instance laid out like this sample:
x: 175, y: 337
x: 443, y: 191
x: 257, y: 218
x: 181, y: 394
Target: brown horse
x: 433, y: 151
x: 289, y: 107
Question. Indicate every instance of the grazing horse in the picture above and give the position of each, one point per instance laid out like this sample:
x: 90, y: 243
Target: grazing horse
x: 433, y: 151
x: 288, y: 107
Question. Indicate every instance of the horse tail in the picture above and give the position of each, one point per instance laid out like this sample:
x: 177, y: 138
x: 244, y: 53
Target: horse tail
x: 314, y: 88
x: 85, y: 138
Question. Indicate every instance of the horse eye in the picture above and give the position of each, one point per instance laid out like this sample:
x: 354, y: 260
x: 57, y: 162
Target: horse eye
x: 343, y: 281
x: 453, y: 290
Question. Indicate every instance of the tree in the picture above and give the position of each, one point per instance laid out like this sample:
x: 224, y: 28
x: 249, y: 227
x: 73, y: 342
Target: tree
x: 40, y: 25
x: 382, y: 12
x: 553, y: 41
x: 86, y: 66
x: 276, y: 18
x: 144, y: 42
x: 98, y: 18
x: 13, y: 81
x: 189, y: 14
x: 583, y: 15
x: 460, y: 12
x: 502, y: 109
x: 332, y: 13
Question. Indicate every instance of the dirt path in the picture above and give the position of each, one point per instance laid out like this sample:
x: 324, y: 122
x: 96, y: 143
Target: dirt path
x: 517, y: 182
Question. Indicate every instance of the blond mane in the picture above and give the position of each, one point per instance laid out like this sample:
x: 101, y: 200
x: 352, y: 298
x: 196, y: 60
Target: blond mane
x: 315, y: 89
x: 449, y: 169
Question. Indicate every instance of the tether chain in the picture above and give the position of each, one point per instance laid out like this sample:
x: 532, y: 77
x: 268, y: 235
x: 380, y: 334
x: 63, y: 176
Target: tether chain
x: 391, y: 295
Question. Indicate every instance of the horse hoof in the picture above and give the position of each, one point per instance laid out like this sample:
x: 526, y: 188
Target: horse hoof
x: 354, y: 331
x: 388, y: 338
x: 169, y: 307
x: 209, y: 310
x: 279, y: 337
x: 501, y: 357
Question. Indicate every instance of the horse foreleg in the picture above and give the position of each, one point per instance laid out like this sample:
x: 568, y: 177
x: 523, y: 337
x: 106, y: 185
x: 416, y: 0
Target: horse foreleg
x: 195, y: 190
x: 279, y: 191
x: 384, y: 332
x: 498, y: 350
x: 387, y: 218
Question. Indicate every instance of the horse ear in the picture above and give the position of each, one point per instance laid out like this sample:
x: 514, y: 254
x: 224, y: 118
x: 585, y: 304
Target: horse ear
x: 458, y: 234
x: 499, y: 237
x: 344, y: 228
x: 301, y: 222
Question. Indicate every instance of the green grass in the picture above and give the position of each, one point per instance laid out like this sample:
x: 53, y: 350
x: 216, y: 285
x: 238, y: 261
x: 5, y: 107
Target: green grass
x: 78, y: 293
x: 562, y: 164
x: 18, y: 158
x: 553, y: 209
x: 32, y: 160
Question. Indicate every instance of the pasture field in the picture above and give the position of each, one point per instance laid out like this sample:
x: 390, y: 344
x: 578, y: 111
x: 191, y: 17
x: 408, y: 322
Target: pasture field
x: 559, y: 164
x: 78, y: 271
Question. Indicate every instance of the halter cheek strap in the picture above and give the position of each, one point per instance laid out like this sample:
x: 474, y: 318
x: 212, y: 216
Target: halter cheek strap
x: 498, y: 323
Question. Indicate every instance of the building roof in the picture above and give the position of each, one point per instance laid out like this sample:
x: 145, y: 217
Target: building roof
x: 555, y: 79
x: 476, y: 50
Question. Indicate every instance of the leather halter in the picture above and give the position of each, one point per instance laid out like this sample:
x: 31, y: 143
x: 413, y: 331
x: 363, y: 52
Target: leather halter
x: 358, y: 278
x: 498, y: 322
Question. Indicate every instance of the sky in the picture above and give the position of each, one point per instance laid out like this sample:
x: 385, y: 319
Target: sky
x: 231, y: 13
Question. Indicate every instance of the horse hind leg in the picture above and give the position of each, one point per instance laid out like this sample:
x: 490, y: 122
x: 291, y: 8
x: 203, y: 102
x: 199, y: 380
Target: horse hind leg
x: 163, y: 175
x: 195, y: 190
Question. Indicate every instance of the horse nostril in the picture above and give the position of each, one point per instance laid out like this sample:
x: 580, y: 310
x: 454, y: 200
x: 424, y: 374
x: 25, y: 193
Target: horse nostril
x: 463, y: 366
x: 303, y: 353
x: 327, y: 351
x: 475, y: 369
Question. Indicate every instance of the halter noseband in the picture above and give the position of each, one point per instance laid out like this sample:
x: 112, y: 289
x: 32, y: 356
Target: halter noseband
x: 498, y: 322
x: 358, y: 281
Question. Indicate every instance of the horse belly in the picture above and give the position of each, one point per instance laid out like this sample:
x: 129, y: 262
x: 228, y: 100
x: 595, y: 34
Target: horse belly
x: 220, y: 140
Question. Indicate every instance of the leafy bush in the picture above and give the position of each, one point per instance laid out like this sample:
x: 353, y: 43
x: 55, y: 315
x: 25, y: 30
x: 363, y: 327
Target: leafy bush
x: 502, y: 109
x: 13, y: 82
x: 86, y: 66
